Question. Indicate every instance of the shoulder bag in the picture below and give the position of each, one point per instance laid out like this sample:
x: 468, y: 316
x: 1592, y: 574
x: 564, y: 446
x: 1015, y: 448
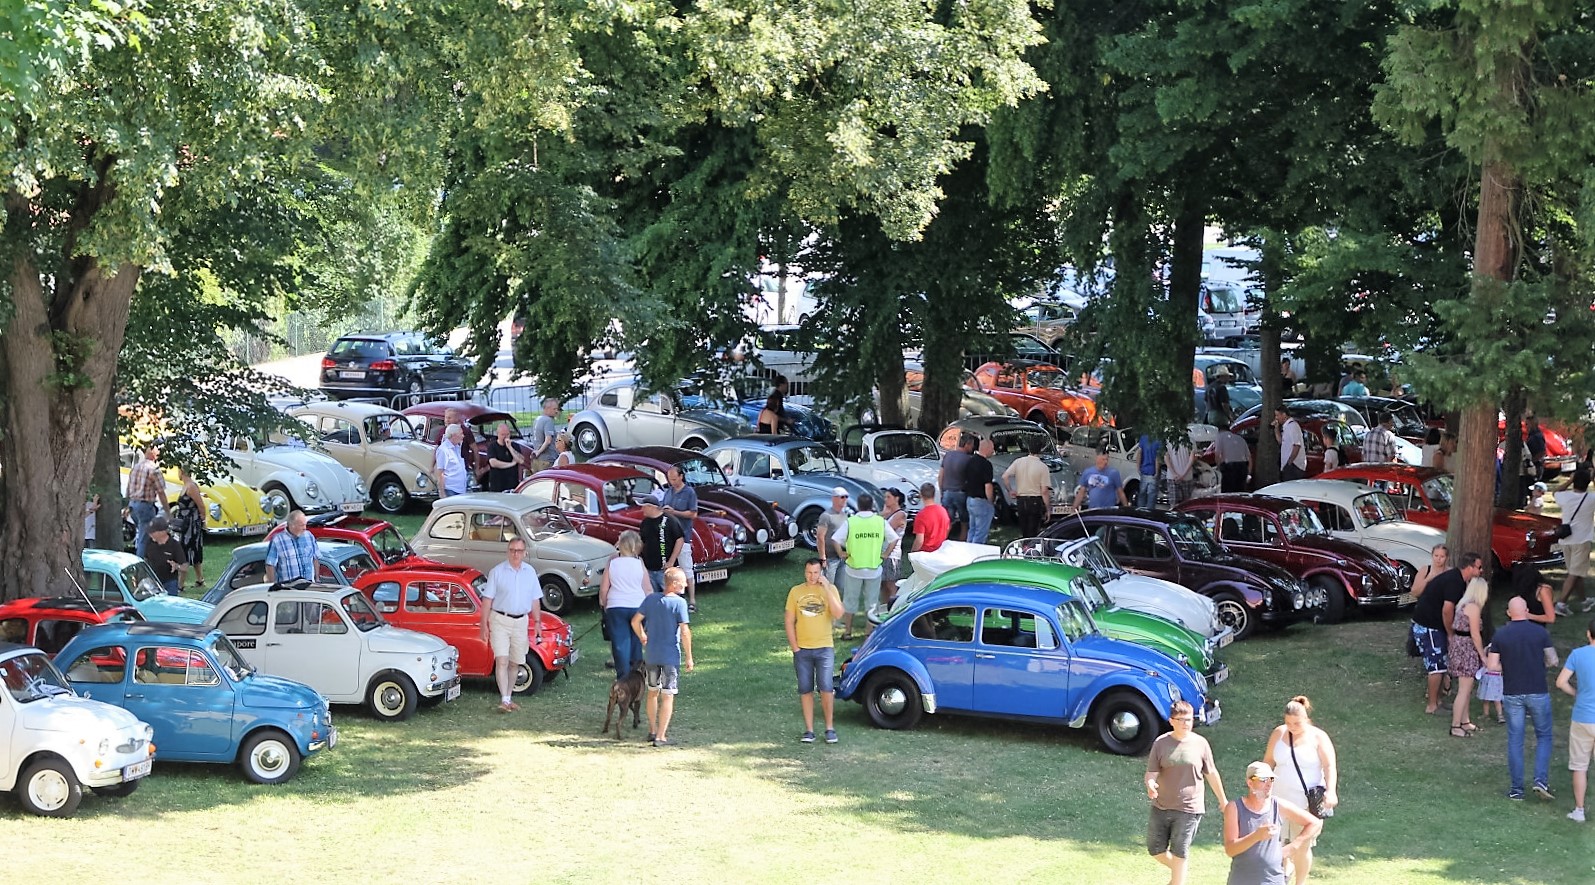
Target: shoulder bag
x: 1315, y: 795
x: 1566, y: 528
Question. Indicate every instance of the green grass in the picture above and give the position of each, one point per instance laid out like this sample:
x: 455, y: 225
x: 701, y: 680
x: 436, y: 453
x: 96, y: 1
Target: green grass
x: 463, y: 793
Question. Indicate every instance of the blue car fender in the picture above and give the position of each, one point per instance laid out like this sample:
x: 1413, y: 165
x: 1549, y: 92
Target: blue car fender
x: 874, y: 661
x: 1154, y: 690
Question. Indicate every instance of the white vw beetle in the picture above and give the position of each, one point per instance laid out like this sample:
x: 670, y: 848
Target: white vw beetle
x: 891, y: 456
x: 54, y: 743
x: 1355, y: 512
x: 328, y: 637
x: 294, y: 477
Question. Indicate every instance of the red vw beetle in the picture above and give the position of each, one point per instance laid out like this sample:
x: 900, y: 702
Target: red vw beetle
x: 378, y: 536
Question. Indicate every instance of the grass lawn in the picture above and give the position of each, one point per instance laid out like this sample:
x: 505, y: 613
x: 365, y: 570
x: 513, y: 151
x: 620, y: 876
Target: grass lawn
x: 461, y: 792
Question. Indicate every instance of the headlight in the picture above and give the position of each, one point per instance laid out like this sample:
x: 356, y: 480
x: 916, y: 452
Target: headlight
x: 791, y: 530
x: 312, y: 490
x: 215, y: 511
x: 1297, y: 599
x: 149, y: 732
x: 728, y: 545
x: 421, y: 482
x: 359, y: 484
x: 1367, y: 582
x: 265, y: 504
x: 104, y: 748
x: 1174, y: 691
x: 763, y: 536
x: 741, y: 535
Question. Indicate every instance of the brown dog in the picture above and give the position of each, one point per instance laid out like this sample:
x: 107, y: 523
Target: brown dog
x: 626, y: 692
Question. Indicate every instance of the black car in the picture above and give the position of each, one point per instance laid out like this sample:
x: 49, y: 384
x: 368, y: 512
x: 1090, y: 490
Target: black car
x: 387, y: 364
x: 1177, y: 547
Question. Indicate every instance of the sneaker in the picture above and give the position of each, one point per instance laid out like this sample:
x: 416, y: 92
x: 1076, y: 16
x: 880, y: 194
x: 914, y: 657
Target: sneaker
x: 651, y: 737
x: 1576, y: 815
x: 1589, y: 605
x: 662, y: 742
x: 1515, y: 795
x: 1562, y: 611
x: 1543, y: 790
x: 807, y: 738
x: 830, y: 735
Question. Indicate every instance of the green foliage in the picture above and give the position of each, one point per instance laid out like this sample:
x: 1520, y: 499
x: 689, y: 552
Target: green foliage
x: 70, y: 351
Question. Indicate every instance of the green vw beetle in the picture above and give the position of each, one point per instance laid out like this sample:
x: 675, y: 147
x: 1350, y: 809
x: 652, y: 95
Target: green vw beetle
x: 1179, y: 643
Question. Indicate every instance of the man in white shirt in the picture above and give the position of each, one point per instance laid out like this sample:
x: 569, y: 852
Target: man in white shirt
x: 448, y: 464
x: 1292, y: 448
x: 1578, y: 514
x: 512, y: 595
x: 1180, y: 461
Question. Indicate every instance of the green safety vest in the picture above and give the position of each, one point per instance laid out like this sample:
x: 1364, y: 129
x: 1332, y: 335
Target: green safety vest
x: 866, y: 535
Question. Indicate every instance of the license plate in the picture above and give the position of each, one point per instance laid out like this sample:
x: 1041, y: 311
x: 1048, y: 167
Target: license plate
x: 137, y: 770
x: 718, y: 574
x: 782, y: 546
x: 332, y: 738
x: 1219, y: 675
x: 351, y: 374
x: 575, y: 655
x: 1226, y: 639
x: 352, y: 507
x: 254, y: 530
x: 1213, y: 715
x: 451, y: 693
x: 1406, y: 599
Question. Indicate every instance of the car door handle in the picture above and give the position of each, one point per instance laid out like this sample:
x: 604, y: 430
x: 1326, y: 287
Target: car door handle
x: 134, y: 697
x: 270, y: 644
x: 985, y: 657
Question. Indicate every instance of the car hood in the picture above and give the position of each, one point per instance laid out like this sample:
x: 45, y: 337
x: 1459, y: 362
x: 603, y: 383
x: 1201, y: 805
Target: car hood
x: 263, y: 690
x: 728, y: 425
x: 1249, y: 569
x: 1144, y: 629
x: 749, y: 510
x: 1522, y: 523
x: 1165, y: 599
x: 910, y: 472
x: 1402, y: 533
x: 398, y: 640
x: 175, y: 609
x: 74, y: 715
x: 1101, y: 647
x: 318, y: 468
x: 239, y: 502
x: 1336, y: 549
x: 571, y: 547
x: 418, y: 453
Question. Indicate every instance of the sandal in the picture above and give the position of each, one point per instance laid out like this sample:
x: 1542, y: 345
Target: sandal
x: 1458, y: 731
x: 1469, y: 727
x: 846, y: 636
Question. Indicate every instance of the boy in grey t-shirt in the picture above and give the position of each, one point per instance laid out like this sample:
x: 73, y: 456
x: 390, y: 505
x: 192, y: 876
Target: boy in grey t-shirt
x: 831, y: 556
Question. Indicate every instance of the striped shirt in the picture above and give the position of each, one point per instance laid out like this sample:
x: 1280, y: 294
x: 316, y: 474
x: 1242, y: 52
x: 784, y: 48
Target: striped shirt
x: 292, y: 557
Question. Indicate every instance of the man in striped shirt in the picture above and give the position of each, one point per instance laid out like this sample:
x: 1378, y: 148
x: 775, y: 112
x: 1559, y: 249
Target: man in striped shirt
x: 146, y: 495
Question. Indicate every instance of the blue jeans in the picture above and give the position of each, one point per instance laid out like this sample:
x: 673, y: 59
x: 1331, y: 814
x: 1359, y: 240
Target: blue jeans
x: 980, y: 515
x: 624, y: 646
x: 657, y: 579
x: 142, y: 512
x: 1537, y: 706
x: 1146, y: 492
x: 955, y: 502
x: 815, y: 667
x: 172, y: 587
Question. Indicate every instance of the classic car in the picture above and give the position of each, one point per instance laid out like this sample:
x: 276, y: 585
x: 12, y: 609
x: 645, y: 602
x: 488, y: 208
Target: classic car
x: 444, y: 600
x: 378, y: 536
x: 1186, y: 646
x: 766, y: 527
x: 1048, y: 321
x: 389, y: 364
x: 1244, y: 391
x: 888, y: 456
x: 377, y: 443
x: 1037, y: 391
x: 56, y: 743
x: 329, y: 637
x: 112, y: 577
x: 1409, y: 423
x: 603, y: 500
x: 1347, y: 424
x: 204, y: 702
x: 1369, y: 517
x: 483, y: 422
x: 1288, y: 534
x: 337, y: 562
x: 796, y: 475
x: 474, y: 529
x: 291, y: 476
x: 49, y: 624
x: 1017, y: 652
x: 804, y: 421
x: 1124, y: 455
x: 621, y: 413
x: 972, y: 403
x: 1176, y: 547
x: 1560, y: 457
x: 1227, y: 303
x: 1423, y: 495
x: 1011, y: 437
x: 231, y: 508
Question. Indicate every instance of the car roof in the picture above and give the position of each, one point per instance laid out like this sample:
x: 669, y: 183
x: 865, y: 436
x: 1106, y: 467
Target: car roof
x: 332, y: 548
x: 156, y: 629
x: 1270, y: 503
x: 765, y: 441
x: 63, y: 604
x: 380, y: 336
x: 1319, y: 488
x: 117, y: 559
x: 512, y: 501
x: 599, y: 472
x: 989, y: 592
x: 280, y: 589
x: 660, y: 454
x: 352, y: 522
x: 994, y: 422
x: 1410, y: 474
x: 417, y: 568
x: 7, y: 648
x: 1163, y: 517
x: 344, y: 408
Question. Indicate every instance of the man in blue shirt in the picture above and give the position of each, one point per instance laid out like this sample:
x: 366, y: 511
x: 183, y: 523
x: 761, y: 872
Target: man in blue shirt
x: 1521, y: 651
x: 1146, y: 492
x: 292, y: 554
x: 1101, y: 485
x: 1581, y: 733
x: 661, y: 623
x: 681, y: 504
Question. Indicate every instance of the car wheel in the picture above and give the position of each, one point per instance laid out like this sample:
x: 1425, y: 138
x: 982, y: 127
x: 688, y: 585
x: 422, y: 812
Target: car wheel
x: 1335, y: 607
x: 892, y: 700
x: 694, y: 445
x: 1039, y: 417
x: 417, y: 385
x: 1234, y: 613
x: 392, y: 697
x: 49, y: 788
x: 530, y: 675
x: 1005, y: 511
x: 557, y: 598
x: 278, y: 502
x: 269, y: 757
x: 808, y: 528
x: 588, y: 441
x: 1126, y: 723
x: 118, y: 791
x: 389, y: 495
x: 1131, y: 490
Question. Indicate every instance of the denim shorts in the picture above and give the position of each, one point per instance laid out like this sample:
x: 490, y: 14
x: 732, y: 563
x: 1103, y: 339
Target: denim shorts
x: 661, y: 677
x: 1432, y: 646
x: 815, y: 667
x: 1171, y: 831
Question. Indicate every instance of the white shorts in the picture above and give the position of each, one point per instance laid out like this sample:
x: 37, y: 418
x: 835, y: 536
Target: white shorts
x: 1577, y: 558
x: 684, y: 560
x: 509, y: 636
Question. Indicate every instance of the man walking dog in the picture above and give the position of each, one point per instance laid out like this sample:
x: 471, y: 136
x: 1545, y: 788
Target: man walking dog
x: 811, y: 607
x: 662, y: 625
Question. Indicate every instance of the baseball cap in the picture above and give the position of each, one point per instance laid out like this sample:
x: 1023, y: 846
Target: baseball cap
x: 1259, y: 770
x: 159, y: 524
x: 839, y: 492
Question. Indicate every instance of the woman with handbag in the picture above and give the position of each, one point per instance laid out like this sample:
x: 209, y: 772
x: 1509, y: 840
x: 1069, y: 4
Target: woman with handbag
x: 1304, y: 758
x: 621, y: 592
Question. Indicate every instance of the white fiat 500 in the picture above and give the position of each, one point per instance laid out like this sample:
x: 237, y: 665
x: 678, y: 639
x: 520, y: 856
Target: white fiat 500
x: 54, y: 743
x: 330, y: 638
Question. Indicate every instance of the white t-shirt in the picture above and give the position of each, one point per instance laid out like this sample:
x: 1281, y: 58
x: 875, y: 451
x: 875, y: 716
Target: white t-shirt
x: 1331, y: 459
x: 628, y: 582
x: 512, y: 591
x: 1580, y: 519
x: 1288, y: 437
x: 1180, y: 459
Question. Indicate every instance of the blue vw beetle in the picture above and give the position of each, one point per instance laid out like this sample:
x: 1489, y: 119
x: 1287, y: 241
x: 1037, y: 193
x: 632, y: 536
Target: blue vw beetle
x: 116, y: 577
x: 205, y: 702
x: 337, y: 562
x: 1012, y: 652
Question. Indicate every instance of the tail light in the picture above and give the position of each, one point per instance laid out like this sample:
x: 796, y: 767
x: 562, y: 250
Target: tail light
x: 328, y: 362
x: 383, y: 366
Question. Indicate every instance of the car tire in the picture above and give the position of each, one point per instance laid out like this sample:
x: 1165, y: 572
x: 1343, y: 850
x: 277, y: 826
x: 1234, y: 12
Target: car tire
x: 891, y: 700
x: 557, y: 596
x: 1039, y: 417
x: 694, y: 445
x: 118, y: 791
x: 49, y: 788
x: 280, y: 500
x: 587, y: 441
x: 417, y: 385
x: 392, y: 697
x: 1126, y: 723
x: 808, y: 528
x: 1233, y: 612
x: 530, y: 675
x: 1335, y: 594
x: 269, y: 757
x: 389, y: 495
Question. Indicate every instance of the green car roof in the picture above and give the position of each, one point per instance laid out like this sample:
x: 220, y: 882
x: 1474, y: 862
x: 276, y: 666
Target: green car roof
x: 1140, y: 628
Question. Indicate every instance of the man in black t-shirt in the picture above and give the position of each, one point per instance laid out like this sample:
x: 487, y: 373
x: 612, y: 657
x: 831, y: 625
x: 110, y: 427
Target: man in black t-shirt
x: 1432, y: 618
x: 980, y: 492
x: 661, y: 542
x: 504, y: 462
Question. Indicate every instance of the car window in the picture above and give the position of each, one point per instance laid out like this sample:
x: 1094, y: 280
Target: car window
x: 99, y: 587
x: 337, y: 430
x: 429, y: 596
x: 573, y: 498
x: 359, y: 611
x: 1334, y: 517
x: 355, y: 566
x: 609, y: 398
x: 52, y: 635
x: 953, y: 624
x: 360, y: 348
x: 1075, y: 620
x: 165, y: 665
x: 1012, y: 628
x: 306, y: 617
x: 949, y: 438
x: 1086, y: 437
x: 248, y: 619
x: 1138, y: 542
x: 248, y: 573
x: 492, y: 528
x: 759, y: 465
x: 106, y: 664
x: 542, y: 489
x: 386, y: 596
x: 622, y: 493
x: 448, y: 527
x: 1245, y: 528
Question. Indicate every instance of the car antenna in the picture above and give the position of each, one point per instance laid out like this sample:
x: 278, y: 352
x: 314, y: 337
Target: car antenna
x: 81, y: 592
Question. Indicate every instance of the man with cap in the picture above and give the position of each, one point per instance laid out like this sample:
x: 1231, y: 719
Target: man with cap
x: 1216, y: 397
x: 830, y: 521
x: 165, y: 556
x: 1379, y: 443
x: 448, y: 465
x: 1253, y: 834
x: 291, y: 555
x: 662, y: 541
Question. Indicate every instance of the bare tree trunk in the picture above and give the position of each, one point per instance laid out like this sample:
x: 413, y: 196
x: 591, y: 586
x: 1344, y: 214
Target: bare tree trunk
x: 107, y: 482
x: 943, y: 358
x: 1265, y: 471
x: 891, y: 384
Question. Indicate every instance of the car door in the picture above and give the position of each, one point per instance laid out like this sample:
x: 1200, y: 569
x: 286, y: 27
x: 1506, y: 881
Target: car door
x: 181, y: 693
x: 1018, y: 671
x: 649, y: 421
x: 1253, y: 534
x: 1144, y: 550
x: 1337, y: 519
x: 763, y: 473
x: 308, y: 640
x: 943, y: 640
x: 447, y: 610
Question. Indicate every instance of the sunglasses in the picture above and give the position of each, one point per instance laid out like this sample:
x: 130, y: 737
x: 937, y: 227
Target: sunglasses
x: 1263, y: 779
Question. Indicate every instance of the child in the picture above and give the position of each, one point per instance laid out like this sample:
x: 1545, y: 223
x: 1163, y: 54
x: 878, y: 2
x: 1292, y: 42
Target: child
x: 1490, y: 692
x: 1536, y: 504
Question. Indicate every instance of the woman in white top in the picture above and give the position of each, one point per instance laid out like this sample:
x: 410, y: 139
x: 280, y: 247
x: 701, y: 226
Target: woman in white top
x: 1302, y: 757
x: 897, y: 518
x: 620, y: 593
x: 562, y: 446
x: 1431, y: 445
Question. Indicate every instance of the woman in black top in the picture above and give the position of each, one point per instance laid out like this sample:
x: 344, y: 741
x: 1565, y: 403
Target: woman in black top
x: 773, y: 417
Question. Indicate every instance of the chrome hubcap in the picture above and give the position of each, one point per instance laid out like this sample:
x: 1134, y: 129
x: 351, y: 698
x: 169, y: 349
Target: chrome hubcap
x: 276, y: 504
x: 587, y: 439
x: 391, y: 497
x: 49, y: 790
x: 1124, y: 725
x: 390, y: 697
x: 891, y: 700
x: 523, y: 677
x: 1232, y: 614
x: 270, y: 758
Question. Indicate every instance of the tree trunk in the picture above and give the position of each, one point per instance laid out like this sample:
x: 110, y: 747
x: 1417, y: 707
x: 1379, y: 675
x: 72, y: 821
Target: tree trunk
x: 892, y: 385
x: 1265, y: 470
x: 1510, y: 490
x: 107, y: 482
x: 943, y: 358
x: 57, y: 366
x: 1185, y: 291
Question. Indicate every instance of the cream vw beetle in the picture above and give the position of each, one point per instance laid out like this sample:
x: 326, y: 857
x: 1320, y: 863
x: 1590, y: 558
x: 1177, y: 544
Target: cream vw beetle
x: 292, y: 477
x: 891, y: 457
x: 379, y: 444
x: 328, y: 637
x: 474, y: 530
x: 1355, y: 512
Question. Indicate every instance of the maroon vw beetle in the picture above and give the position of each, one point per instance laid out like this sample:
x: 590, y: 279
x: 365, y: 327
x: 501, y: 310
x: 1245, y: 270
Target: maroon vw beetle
x: 762, y: 526
x: 482, y: 420
x: 1288, y: 534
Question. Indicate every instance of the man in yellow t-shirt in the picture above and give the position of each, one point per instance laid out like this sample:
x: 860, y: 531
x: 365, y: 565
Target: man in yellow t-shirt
x: 811, y: 607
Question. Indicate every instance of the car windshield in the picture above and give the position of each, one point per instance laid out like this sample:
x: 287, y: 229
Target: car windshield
x: 359, y: 349
x: 1017, y: 442
x: 390, y: 545
x: 811, y: 459
x: 1225, y: 300
x: 357, y: 565
x: 359, y: 610
x: 1193, y: 540
x: 701, y: 472
x: 380, y: 428
x: 1089, y: 591
x: 1408, y: 421
x: 1438, y: 490
x: 31, y: 677
x: 1095, y: 557
x: 221, y: 648
x: 1048, y: 378
x: 1376, y: 507
x: 1298, y: 522
x: 1075, y: 619
x: 140, y: 580
x: 546, y: 523
x: 892, y: 446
